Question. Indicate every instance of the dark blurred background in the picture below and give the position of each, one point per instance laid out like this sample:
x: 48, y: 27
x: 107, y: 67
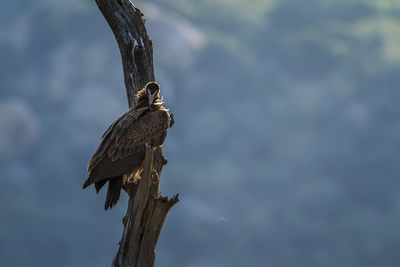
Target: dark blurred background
x: 285, y: 149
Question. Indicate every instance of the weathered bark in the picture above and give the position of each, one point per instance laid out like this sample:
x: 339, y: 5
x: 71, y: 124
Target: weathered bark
x: 147, y: 210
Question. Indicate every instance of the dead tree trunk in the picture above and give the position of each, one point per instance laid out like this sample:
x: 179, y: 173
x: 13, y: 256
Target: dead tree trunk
x: 147, y: 210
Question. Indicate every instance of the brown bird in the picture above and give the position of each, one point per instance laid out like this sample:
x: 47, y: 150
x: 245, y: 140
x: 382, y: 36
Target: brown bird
x: 120, y: 157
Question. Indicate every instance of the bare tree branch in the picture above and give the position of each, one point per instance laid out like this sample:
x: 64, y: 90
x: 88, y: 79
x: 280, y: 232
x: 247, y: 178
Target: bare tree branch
x: 127, y: 23
x: 147, y: 210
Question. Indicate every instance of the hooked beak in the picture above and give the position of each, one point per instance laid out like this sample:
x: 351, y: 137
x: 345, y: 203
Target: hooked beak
x: 151, y: 97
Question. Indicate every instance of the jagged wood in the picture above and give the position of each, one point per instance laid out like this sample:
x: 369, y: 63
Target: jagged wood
x: 147, y: 210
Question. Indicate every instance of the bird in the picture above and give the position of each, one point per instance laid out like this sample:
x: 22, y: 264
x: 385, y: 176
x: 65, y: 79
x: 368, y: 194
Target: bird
x: 119, y: 159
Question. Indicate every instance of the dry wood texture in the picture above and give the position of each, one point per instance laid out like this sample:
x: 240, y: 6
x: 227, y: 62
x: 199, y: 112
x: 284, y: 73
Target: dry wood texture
x: 147, y: 210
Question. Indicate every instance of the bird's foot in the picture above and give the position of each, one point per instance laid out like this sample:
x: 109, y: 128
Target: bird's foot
x: 133, y: 179
x: 136, y: 179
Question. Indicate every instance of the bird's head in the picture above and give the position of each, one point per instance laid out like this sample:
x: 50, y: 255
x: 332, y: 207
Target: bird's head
x: 149, y: 95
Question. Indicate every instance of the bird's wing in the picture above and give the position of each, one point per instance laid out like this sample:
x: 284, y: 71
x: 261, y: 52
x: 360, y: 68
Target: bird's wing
x: 148, y: 129
x: 117, y: 128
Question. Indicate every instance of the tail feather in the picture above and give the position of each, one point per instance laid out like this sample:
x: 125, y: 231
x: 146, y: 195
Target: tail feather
x: 87, y: 183
x: 98, y: 185
x: 113, y: 192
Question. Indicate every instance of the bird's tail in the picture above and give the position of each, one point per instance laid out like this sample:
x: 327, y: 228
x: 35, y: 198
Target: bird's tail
x: 113, y: 192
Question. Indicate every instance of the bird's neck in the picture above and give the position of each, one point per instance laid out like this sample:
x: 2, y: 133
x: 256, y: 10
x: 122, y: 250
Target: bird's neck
x: 154, y: 107
x: 141, y: 104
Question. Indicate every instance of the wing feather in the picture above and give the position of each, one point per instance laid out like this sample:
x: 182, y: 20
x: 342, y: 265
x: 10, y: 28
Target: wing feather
x: 118, y: 127
x: 123, y: 145
x: 146, y: 130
